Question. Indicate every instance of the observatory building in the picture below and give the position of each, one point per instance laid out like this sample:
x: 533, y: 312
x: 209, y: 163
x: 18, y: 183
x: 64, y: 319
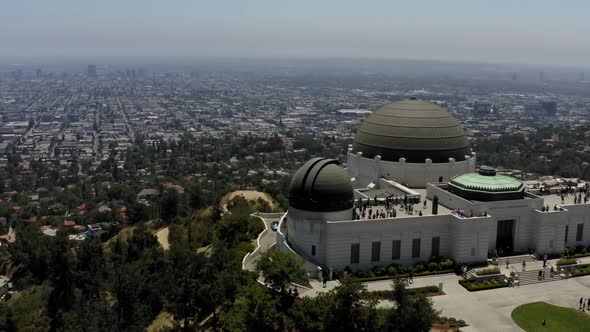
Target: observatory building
x: 411, y: 192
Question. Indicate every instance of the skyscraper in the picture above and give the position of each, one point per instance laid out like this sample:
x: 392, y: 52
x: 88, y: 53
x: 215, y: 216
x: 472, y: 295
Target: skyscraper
x: 92, y: 71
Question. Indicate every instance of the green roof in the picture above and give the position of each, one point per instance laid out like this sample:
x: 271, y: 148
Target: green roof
x: 496, y: 183
x: 486, y: 186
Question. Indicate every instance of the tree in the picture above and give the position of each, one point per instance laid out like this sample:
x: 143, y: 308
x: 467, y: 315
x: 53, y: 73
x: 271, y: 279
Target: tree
x: 62, y: 296
x: 413, y: 314
x: 255, y: 311
x: 279, y: 269
x: 169, y: 204
x: 350, y: 310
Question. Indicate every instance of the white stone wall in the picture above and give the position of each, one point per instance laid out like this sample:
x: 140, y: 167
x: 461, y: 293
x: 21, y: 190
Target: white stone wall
x: 452, y: 201
x: 577, y: 214
x: 470, y: 240
x: 464, y: 240
x: 414, y: 175
x: 455, y: 234
x: 549, y: 231
x: 306, y: 229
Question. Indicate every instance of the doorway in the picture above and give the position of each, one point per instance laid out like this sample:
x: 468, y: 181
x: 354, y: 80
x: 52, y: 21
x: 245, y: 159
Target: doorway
x: 505, y: 237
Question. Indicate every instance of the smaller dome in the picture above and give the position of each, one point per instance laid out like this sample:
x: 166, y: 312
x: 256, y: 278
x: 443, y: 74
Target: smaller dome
x: 321, y: 185
x: 486, y: 186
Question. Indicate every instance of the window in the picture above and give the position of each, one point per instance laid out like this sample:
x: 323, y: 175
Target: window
x: 435, y: 247
x: 396, y: 251
x: 313, y: 250
x: 440, y: 179
x: 415, y: 248
x: 355, y: 249
x: 376, y: 252
x: 472, y: 251
x: 580, y: 232
x: 567, y: 228
x: 550, y: 243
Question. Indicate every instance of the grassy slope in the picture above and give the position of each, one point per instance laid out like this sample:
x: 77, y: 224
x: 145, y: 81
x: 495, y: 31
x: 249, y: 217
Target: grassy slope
x: 529, y: 317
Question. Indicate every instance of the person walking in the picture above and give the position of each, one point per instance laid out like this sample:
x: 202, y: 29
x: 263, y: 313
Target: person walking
x: 523, y: 265
x: 540, y: 275
x: 507, y: 262
x: 545, y: 261
x: 581, y: 301
x: 411, y: 277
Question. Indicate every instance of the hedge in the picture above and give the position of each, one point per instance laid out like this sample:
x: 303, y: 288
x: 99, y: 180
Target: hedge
x: 405, y: 275
x: 577, y: 251
x: 452, y: 322
x: 473, y: 286
x: 582, y: 270
x: 485, y: 272
x: 411, y: 291
x: 568, y: 261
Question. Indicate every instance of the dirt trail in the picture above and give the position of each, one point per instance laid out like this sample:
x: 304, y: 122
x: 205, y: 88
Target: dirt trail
x: 162, y: 236
x: 250, y: 195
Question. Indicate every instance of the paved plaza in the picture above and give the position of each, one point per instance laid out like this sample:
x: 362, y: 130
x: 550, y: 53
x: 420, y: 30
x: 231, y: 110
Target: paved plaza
x: 488, y: 310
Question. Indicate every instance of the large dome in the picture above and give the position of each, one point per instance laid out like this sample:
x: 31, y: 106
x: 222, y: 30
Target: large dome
x: 321, y: 185
x: 414, y: 130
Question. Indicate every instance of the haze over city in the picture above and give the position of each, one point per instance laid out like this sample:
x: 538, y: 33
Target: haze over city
x: 527, y: 32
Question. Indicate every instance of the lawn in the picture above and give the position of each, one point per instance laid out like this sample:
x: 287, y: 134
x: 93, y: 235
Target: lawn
x: 529, y: 317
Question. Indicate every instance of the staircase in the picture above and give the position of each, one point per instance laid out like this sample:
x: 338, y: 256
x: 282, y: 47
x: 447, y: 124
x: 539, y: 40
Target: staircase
x: 516, y: 259
x: 532, y: 277
x: 471, y: 273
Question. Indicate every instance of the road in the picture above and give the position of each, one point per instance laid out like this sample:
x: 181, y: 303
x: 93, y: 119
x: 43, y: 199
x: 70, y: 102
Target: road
x: 266, y: 240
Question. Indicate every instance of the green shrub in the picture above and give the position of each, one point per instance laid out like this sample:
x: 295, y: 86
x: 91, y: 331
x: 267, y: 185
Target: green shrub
x: 392, y: 270
x: 582, y: 272
x: 433, y: 266
x: 404, y: 275
x: 411, y: 292
x: 380, y: 270
x: 401, y: 271
x: 472, y: 285
x: 447, y: 264
x: 488, y: 271
x: 568, y: 261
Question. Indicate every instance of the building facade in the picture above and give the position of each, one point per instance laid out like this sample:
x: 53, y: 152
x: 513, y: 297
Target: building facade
x: 382, y: 211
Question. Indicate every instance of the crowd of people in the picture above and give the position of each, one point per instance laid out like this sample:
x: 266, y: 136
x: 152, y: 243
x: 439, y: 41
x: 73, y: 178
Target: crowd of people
x: 579, y: 193
x: 370, y: 208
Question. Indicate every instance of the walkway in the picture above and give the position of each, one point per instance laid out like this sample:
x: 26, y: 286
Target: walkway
x: 265, y: 240
x: 489, y: 310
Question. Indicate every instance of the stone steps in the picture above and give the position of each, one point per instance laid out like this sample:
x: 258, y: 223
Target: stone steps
x: 531, y: 277
x: 516, y: 259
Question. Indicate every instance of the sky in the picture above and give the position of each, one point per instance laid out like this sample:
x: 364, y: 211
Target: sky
x: 503, y: 31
